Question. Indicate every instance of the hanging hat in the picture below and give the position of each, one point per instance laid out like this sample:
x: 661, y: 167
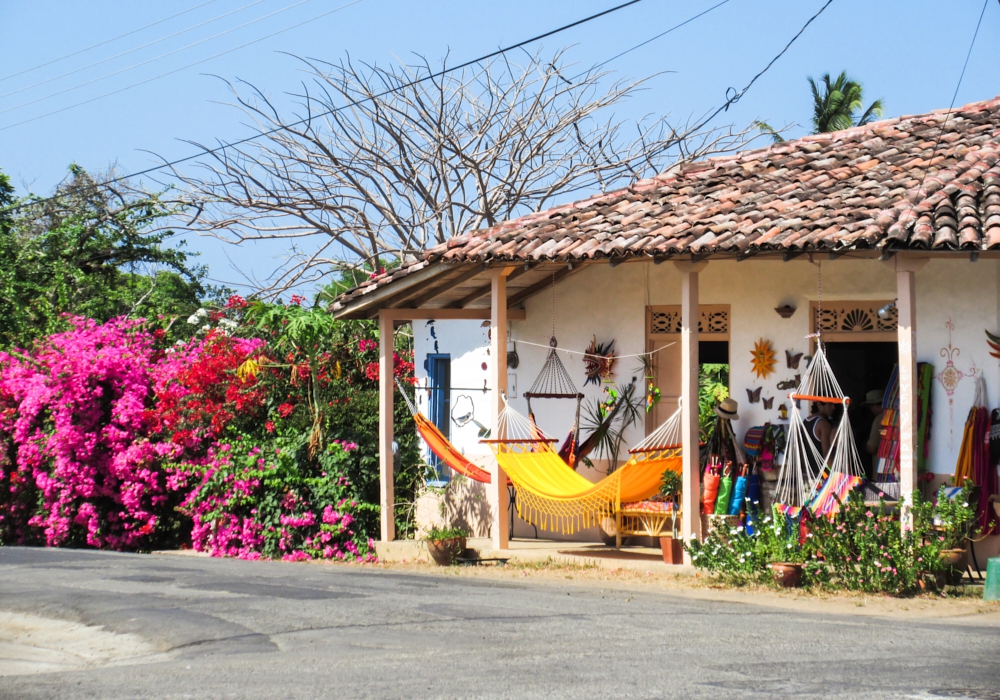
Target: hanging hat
x: 727, y: 409
x: 875, y: 396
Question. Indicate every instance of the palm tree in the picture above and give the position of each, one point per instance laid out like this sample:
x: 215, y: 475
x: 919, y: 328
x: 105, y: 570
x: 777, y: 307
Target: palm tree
x: 835, y: 106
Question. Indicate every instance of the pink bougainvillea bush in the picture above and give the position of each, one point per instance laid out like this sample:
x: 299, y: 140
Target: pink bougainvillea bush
x: 78, y: 467
x: 225, y: 443
x: 276, y: 502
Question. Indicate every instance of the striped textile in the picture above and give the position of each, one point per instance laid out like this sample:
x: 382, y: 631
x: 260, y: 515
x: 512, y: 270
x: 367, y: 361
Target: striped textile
x: 836, y: 486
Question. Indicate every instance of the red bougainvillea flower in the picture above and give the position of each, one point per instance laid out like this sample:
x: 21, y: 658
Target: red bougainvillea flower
x: 285, y: 410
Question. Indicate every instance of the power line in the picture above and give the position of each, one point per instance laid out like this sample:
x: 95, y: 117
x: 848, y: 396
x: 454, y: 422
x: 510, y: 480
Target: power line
x: 132, y: 50
x: 156, y: 58
x: 178, y: 70
x: 954, y: 96
x: 661, y: 34
x: 735, y: 97
x: 430, y: 76
x: 106, y: 41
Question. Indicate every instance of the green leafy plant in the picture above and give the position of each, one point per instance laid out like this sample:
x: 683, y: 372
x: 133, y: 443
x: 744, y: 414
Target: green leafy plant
x: 713, y: 387
x: 737, y: 557
x: 439, y: 534
x: 670, y: 485
x: 610, y: 420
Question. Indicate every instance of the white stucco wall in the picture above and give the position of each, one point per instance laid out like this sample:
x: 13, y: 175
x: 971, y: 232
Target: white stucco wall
x: 610, y: 302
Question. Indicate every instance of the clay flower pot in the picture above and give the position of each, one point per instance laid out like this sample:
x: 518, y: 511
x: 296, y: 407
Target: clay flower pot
x: 444, y: 552
x: 787, y: 574
x: 955, y: 558
x: 673, y: 551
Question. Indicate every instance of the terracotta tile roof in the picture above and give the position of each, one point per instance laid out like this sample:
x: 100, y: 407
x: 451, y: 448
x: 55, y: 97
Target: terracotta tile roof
x: 854, y: 189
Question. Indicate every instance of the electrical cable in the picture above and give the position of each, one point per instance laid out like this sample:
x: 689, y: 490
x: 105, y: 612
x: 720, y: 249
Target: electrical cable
x: 157, y: 58
x: 731, y: 100
x: 954, y: 95
x: 430, y: 76
x: 132, y: 50
x: 106, y: 41
x: 177, y: 70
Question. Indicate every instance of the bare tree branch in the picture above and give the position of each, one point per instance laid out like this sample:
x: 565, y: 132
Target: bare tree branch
x: 364, y: 178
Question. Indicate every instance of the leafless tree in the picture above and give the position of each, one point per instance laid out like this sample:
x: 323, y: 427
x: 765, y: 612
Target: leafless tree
x: 381, y: 163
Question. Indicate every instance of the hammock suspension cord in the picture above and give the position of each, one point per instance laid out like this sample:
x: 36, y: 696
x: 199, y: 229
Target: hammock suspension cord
x: 800, y: 475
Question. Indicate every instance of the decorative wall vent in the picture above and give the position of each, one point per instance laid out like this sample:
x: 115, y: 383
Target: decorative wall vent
x: 667, y: 319
x: 854, y: 320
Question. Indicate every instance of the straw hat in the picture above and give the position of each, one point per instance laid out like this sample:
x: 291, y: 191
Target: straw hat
x: 727, y: 409
x: 875, y: 396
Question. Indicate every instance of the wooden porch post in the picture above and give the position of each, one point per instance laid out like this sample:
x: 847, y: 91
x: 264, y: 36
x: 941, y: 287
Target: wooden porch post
x: 691, y: 488
x: 906, y: 306
x: 497, y: 490
x: 385, y: 426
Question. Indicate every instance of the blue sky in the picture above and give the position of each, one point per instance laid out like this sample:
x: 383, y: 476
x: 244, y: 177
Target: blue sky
x: 909, y: 52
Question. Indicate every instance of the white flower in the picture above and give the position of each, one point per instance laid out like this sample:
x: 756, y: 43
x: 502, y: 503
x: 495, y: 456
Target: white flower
x: 206, y: 328
x: 228, y: 323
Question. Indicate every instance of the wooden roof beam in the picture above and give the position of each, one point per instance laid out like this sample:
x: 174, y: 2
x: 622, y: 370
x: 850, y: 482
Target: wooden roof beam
x: 534, y: 289
x: 422, y: 299
x: 484, y: 290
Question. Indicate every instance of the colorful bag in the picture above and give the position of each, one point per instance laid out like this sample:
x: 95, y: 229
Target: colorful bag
x: 739, y: 493
x: 754, y: 441
x: 725, y: 492
x: 709, y: 491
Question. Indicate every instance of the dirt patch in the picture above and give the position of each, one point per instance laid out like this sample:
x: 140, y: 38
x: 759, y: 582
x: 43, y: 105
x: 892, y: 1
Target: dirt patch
x: 32, y: 644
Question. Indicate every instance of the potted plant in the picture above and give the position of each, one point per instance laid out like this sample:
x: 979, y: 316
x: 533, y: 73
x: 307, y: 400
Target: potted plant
x: 784, y: 555
x: 445, y: 544
x: 670, y: 490
x: 953, y: 518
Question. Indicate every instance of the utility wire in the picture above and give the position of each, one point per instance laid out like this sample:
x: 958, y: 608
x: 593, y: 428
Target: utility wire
x: 133, y: 50
x: 437, y: 74
x: 106, y: 41
x: 177, y: 70
x: 954, y: 96
x: 652, y: 39
x: 732, y: 96
x: 157, y: 58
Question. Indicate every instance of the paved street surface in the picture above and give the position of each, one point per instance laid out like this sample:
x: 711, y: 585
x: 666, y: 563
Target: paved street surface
x: 209, y: 628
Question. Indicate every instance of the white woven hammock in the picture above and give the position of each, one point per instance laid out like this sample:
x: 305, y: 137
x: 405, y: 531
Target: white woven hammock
x: 798, y: 479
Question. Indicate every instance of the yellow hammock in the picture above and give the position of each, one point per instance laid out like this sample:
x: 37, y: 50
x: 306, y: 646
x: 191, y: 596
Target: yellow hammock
x: 552, y: 496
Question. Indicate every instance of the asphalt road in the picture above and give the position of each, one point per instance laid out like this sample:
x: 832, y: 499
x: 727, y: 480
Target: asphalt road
x: 232, y: 629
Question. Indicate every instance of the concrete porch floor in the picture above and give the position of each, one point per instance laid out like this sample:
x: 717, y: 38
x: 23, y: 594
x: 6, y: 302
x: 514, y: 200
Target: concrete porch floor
x: 524, y: 551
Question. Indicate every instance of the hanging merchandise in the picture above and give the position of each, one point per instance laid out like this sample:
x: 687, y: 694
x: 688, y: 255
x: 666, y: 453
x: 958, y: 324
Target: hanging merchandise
x: 725, y: 490
x: 805, y: 471
x: 739, y: 491
x: 553, y: 382
x: 768, y: 403
x: 763, y: 358
x: 974, y: 463
x: 710, y: 488
x: 790, y: 383
x: 599, y: 362
x: 753, y: 500
x: 887, y: 471
x: 753, y: 395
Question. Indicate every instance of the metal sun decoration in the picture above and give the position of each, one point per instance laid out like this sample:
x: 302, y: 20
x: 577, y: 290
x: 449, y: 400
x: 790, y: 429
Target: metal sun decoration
x: 763, y: 358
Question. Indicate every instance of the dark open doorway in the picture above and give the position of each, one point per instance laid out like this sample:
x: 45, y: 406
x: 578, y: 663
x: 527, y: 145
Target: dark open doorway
x: 860, y: 368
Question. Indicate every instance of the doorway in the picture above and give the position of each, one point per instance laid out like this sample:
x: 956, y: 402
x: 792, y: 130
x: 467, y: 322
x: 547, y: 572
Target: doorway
x: 439, y: 373
x: 861, y: 367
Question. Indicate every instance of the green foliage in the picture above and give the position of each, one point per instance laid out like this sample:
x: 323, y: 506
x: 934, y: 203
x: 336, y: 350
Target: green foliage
x: 713, y: 387
x: 671, y: 484
x: 610, y: 419
x: 436, y: 534
x: 862, y: 548
x: 737, y: 557
x: 90, y: 251
x: 836, y: 104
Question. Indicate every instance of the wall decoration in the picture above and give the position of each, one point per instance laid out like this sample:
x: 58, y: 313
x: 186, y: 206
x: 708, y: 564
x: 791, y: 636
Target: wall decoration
x: 763, y: 358
x: 769, y: 403
x: 790, y: 383
x: 792, y: 360
x: 753, y: 395
x: 950, y: 377
x: 783, y: 412
x: 599, y: 361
